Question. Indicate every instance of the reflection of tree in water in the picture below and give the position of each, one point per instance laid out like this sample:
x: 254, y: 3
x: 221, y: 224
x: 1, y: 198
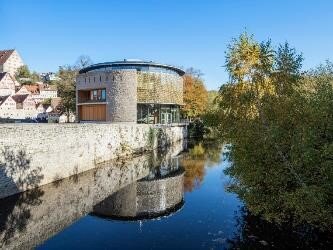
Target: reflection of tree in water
x: 15, y: 210
x: 256, y: 233
x: 199, y: 155
x: 194, y: 172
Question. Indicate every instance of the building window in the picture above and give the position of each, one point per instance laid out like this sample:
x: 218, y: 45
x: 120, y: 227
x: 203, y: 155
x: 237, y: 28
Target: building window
x: 103, y: 94
x: 93, y: 95
x: 98, y: 95
x: 158, y: 113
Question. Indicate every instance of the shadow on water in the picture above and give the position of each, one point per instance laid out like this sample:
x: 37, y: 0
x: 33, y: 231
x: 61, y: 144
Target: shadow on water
x: 256, y: 233
x: 16, y: 175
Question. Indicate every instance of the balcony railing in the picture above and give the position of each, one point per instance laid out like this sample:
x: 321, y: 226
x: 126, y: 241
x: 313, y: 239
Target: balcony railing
x: 87, y: 101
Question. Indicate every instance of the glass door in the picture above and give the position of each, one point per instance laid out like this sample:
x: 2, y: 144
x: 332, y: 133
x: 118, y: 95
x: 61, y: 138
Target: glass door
x: 168, y: 118
x: 163, y: 118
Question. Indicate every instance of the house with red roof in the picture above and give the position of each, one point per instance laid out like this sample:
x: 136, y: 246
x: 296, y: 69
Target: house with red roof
x: 39, y: 91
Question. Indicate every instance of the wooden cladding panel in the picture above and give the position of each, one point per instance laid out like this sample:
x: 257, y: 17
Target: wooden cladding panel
x: 96, y: 112
x: 83, y: 95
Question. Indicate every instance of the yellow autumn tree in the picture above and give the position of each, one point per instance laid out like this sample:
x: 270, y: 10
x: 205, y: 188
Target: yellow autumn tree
x: 195, y: 95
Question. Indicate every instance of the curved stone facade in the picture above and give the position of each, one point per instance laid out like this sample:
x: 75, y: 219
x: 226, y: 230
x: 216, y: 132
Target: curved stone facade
x: 121, y: 93
x: 122, y: 96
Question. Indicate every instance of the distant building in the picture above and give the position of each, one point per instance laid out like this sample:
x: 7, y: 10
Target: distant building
x: 49, y: 77
x: 56, y: 102
x: 25, y: 102
x: 7, y: 106
x: 22, y: 102
x: 32, y: 88
x: 7, y: 84
x: 47, y: 91
x: 40, y: 91
x: 23, y: 91
x: 130, y: 91
x: 10, y: 61
x: 17, y: 107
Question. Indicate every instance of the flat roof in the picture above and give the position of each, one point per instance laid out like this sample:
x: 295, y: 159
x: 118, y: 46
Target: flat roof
x: 131, y: 63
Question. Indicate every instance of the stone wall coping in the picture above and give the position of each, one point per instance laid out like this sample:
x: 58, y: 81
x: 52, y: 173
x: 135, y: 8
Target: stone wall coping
x: 85, y: 123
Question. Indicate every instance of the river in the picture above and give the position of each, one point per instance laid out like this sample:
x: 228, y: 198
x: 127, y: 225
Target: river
x: 171, y: 199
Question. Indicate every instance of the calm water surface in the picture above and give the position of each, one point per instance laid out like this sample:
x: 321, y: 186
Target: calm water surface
x: 205, y: 220
x: 164, y: 200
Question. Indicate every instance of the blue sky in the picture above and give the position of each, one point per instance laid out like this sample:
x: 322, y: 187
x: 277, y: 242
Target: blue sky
x: 187, y: 33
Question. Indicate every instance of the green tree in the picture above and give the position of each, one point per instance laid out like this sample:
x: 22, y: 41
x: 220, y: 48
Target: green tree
x: 279, y: 124
x: 47, y: 101
x: 24, y: 76
x: 23, y: 72
x: 211, y: 99
x: 287, y: 68
x: 35, y: 77
x: 66, y: 84
x: 210, y: 117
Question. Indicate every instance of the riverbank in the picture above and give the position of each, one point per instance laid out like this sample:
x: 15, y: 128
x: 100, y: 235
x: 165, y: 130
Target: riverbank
x: 32, y: 155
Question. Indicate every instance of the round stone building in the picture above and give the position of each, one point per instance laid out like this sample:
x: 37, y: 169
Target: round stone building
x: 129, y: 91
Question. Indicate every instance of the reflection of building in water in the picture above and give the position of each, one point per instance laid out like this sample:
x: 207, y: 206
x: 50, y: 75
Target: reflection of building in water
x: 28, y: 219
x: 158, y: 194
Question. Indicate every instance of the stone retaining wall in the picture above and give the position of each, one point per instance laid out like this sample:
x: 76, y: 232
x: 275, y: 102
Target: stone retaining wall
x: 32, y: 155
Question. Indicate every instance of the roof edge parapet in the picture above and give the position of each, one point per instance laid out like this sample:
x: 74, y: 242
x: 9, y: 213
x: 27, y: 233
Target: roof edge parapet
x: 130, y: 62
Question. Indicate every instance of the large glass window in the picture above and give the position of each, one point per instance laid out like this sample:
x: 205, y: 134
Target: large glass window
x: 143, y: 113
x: 158, y: 113
x: 147, y: 113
